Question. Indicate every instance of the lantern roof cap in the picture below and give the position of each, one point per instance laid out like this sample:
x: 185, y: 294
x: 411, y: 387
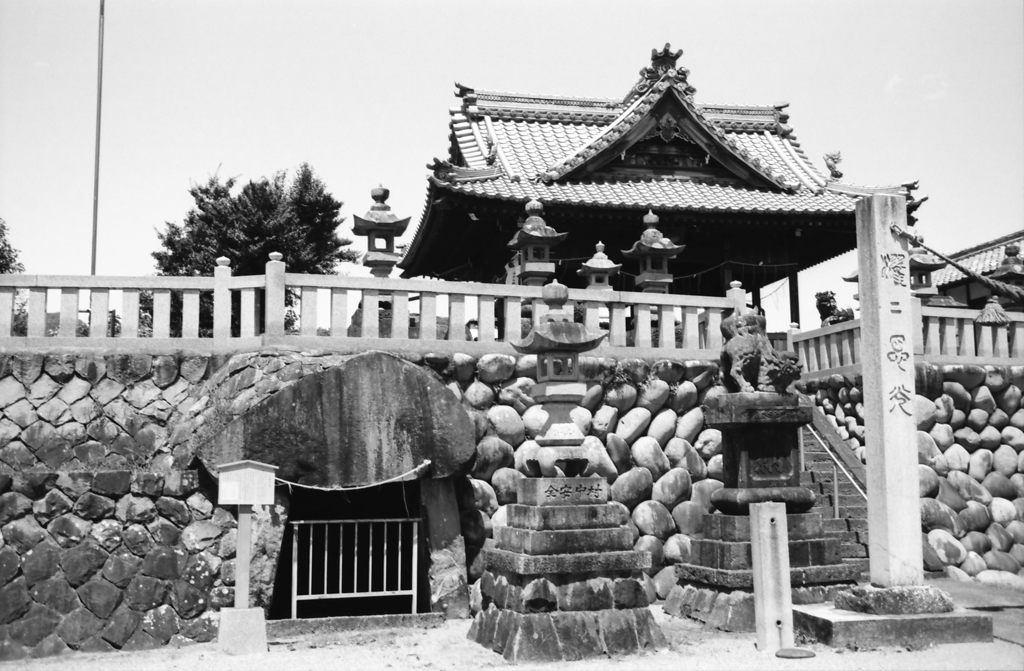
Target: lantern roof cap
x: 379, y: 217
x: 652, y: 242
x: 535, y: 230
x: 557, y: 332
x: 599, y: 263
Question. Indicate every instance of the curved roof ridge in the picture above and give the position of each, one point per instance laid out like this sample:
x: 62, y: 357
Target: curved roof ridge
x: 543, y: 99
x: 638, y: 111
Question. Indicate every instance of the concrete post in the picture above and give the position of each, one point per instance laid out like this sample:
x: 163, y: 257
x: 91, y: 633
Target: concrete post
x: 773, y: 596
x: 794, y: 329
x: 221, y: 301
x: 887, y: 344
x: 274, y: 303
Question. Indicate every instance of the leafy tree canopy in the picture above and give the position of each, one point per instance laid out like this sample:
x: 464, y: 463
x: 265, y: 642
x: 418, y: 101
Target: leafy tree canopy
x: 298, y: 218
x: 8, y: 255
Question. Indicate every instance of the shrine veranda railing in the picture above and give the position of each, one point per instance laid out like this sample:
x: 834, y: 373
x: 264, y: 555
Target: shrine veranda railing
x: 335, y: 312
x: 946, y: 335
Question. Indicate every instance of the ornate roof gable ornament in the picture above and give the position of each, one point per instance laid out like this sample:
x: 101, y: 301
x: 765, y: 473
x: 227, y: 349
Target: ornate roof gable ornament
x: 663, y: 64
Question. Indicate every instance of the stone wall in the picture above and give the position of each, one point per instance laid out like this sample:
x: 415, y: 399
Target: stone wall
x: 970, y: 423
x: 644, y: 429
x: 106, y: 560
x: 78, y: 419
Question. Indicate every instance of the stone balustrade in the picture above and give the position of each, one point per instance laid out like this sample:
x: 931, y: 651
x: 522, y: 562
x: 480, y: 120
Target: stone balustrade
x: 227, y: 313
x: 946, y: 336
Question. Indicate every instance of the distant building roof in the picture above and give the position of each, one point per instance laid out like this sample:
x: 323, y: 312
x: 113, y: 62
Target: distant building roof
x: 982, y: 259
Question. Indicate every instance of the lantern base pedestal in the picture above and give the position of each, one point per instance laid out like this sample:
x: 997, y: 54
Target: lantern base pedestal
x: 242, y: 631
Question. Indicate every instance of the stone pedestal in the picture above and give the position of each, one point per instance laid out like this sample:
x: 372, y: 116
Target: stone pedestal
x: 242, y: 631
x: 563, y: 581
x: 760, y: 450
x: 716, y: 586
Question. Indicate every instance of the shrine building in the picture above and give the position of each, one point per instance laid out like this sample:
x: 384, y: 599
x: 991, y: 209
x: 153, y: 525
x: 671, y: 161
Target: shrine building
x: 730, y: 183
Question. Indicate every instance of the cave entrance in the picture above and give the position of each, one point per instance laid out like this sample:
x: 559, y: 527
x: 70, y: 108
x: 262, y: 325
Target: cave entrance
x: 351, y: 553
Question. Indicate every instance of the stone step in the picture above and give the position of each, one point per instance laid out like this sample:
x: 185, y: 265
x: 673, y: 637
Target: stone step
x: 562, y: 542
x: 833, y: 525
x: 853, y: 550
x: 849, y: 536
x: 862, y: 564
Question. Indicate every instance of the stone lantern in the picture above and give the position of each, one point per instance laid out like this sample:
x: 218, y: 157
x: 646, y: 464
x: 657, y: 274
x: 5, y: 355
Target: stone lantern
x: 653, y: 251
x: 571, y: 584
x: 599, y: 270
x: 381, y: 227
x: 922, y: 264
x: 1011, y: 271
x: 557, y: 341
x: 534, y: 242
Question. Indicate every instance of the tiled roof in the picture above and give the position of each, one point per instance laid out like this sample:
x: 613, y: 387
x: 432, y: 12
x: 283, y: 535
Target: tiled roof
x: 532, y: 135
x: 982, y: 259
x: 519, y: 147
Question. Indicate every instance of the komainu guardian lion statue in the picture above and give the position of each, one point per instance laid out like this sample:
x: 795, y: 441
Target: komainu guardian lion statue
x: 749, y: 362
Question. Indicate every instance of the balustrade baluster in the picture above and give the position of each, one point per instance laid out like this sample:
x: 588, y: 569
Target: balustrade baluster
x: 248, y: 316
x: 714, y: 329
x: 513, y: 319
x: 485, y: 319
x: 308, y: 312
x: 400, y: 315
x: 339, y: 313
x: 691, y: 331
x: 371, y: 314
x: 642, y: 324
x: 68, y: 312
x: 130, y: 313
x: 161, y: 313
x: 36, y: 312
x: 190, y: 313
x: 967, y: 346
x: 666, y: 327
x: 428, y: 316
x: 6, y: 311
x: 456, y: 317
x: 617, y: 325
x: 99, y: 313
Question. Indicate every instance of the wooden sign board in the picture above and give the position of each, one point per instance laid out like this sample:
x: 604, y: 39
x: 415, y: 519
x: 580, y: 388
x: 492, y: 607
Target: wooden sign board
x: 246, y: 483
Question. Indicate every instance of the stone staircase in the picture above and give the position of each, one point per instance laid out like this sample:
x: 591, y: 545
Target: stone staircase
x: 851, y: 527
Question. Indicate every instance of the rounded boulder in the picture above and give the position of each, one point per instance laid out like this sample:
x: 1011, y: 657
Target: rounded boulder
x: 672, y: 488
x: 646, y: 452
x: 632, y: 487
x: 653, y: 519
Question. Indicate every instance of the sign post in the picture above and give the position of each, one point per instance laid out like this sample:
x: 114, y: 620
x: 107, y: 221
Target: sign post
x: 243, y: 630
x: 887, y: 332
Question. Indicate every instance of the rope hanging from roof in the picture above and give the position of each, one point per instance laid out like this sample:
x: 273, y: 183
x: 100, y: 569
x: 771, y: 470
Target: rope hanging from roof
x: 1000, y: 288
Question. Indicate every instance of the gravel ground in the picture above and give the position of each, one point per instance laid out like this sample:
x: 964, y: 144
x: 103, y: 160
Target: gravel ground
x: 692, y: 648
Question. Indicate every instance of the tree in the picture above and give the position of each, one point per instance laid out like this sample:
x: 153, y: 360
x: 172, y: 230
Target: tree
x: 299, y: 219
x: 8, y: 254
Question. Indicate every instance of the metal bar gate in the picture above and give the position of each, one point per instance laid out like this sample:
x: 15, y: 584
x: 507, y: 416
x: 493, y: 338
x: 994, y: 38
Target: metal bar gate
x: 351, y: 549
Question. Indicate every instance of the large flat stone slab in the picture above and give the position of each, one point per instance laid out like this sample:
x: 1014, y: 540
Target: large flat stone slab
x: 584, y: 562
x: 561, y: 491
x: 847, y: 629
x: 809, y: 575
x: 569, y: 541
x: 549, y: 518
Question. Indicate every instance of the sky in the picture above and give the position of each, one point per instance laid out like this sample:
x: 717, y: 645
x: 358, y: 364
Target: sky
x: 930, y: 91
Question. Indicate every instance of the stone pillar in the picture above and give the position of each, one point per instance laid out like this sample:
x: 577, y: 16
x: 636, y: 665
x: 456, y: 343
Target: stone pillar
x: 274, y: 300
x: 887, y: 339
x: 221, y: 301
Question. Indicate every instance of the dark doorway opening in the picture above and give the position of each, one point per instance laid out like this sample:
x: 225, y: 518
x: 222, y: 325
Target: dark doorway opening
x: 355, y: 556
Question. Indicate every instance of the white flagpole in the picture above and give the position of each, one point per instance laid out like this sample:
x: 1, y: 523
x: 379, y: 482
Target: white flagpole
x: 96, y: 171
